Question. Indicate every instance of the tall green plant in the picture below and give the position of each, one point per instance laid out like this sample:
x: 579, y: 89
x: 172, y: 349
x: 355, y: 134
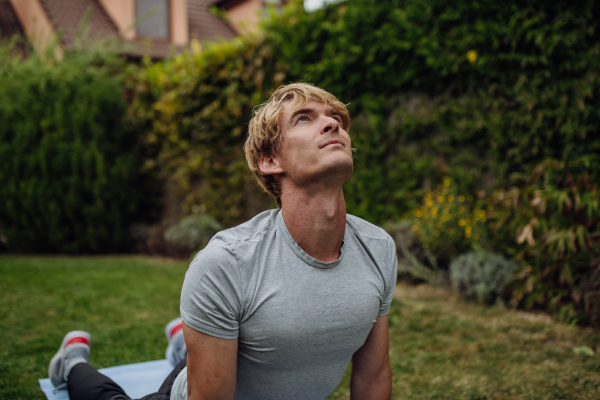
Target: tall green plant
x: 550, y: 222
x: 196, y: 108
x: 70, y: 175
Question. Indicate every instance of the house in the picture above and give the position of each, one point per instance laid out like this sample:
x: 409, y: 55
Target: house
x: 153, y: 27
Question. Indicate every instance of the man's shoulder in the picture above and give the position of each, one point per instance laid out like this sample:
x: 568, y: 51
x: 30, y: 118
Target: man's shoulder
x: 251, y: 230
x: 365, y: 229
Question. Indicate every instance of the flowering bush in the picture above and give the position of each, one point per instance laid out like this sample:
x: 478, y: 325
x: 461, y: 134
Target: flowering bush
x: 448, y: 224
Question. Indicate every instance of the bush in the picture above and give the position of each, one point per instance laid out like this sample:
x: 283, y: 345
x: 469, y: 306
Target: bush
x: 481, y: 276
x: 471, y: 90
x: 192, y: 233
x: 447, y: 224
x: 196, y: 108
x: 70, y: 176
x: 549, y: 221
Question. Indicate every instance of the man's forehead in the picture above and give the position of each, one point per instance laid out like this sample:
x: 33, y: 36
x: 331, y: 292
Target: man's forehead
x: 290, y: 107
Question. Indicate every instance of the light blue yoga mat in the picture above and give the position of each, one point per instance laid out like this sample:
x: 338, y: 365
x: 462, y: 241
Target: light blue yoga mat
x: 137, y: 380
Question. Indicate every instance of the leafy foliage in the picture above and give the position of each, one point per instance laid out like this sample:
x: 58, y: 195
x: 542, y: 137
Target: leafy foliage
x: 481, y: 276
x: 70, y: 176
x: 500, y: 87
x: 550, y: 222
x: 192, y: 232
x: 196, y: 108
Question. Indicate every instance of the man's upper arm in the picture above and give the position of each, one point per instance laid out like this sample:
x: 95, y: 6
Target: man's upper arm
x: 371, y: 373
x: 211, y: 366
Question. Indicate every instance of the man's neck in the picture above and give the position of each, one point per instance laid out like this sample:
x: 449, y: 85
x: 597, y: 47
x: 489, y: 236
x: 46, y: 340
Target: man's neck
x: 316, y: 221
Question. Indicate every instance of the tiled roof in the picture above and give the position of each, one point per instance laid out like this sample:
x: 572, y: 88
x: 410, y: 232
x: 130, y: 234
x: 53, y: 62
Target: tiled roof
x: 204, y: 25
x: 67, y: 14
x: 9, y: 23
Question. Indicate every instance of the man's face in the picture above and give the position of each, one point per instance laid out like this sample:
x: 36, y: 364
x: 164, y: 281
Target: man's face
x: 314, y: 147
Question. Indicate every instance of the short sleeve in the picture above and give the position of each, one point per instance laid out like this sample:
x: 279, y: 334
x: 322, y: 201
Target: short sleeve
x: 211, y: 293
x: 390, y: 277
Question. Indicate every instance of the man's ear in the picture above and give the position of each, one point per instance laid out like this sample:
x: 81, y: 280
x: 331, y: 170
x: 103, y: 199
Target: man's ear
x: 269, y: 165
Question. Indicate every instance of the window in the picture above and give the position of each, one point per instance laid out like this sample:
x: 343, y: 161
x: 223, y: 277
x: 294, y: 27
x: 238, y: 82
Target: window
x: 152, y: 18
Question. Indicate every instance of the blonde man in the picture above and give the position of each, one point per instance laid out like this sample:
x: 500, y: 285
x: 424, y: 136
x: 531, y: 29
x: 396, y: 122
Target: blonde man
x: 277, y: 307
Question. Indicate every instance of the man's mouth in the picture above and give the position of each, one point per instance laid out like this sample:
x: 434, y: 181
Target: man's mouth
x: 330, y: 142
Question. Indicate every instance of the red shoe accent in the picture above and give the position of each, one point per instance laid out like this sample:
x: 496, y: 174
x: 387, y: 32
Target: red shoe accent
x: 77, y: 339
x: 175, y: 329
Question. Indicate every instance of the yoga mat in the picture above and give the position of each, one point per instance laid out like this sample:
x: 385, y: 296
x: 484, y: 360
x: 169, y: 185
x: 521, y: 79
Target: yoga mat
x: 137, y: 380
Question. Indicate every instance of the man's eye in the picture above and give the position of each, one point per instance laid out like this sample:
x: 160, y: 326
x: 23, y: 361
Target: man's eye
x: 301, y: 118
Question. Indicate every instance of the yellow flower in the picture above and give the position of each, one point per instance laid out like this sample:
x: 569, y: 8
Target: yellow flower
x: 461, y: 198
x: 467, y: 235
x: 468, y: 230
x: 429, y: 203
x: 415, y: 228
x: 450, y: 197
x: 434, y: 211
x: 446, y: 182
x: 462, y: 222
x: 439, y: 199
x: 419, y: 213
x: 472, y: 56
x: 461, y: 209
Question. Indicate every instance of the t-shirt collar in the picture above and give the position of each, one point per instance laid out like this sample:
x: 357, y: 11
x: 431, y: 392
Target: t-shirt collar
x: 282, y: 228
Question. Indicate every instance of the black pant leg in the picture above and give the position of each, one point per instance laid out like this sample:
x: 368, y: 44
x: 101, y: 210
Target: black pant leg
x: 86, y: 383
x: 164, y: 393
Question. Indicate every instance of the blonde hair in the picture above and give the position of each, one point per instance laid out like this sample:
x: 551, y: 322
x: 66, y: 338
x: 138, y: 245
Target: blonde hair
x: 264, y: 131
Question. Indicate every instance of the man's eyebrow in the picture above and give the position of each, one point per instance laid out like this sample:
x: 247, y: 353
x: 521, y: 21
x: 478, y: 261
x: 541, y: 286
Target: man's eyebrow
x: 306, y: 110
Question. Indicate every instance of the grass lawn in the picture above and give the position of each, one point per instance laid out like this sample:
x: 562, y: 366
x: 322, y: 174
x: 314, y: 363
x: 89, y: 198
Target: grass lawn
x: 441, y: 348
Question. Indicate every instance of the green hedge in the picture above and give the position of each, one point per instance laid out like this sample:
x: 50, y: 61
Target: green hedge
x: 473, y: 90
x: 196, y: 108
x: 70, y: 176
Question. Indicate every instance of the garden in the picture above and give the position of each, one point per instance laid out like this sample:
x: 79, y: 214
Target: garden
x: 476, y: 129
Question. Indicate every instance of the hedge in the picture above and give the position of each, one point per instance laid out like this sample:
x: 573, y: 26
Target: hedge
x: 71, y: 177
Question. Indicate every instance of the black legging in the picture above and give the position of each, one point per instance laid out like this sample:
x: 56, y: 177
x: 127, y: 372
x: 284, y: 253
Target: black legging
x: 86, y: 383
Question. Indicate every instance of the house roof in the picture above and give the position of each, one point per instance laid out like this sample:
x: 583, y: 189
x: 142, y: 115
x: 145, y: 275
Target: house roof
x: 204, y: 25
x: 66, y: 15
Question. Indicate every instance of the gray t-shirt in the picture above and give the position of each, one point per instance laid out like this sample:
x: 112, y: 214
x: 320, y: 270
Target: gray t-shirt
x: 298, y: 320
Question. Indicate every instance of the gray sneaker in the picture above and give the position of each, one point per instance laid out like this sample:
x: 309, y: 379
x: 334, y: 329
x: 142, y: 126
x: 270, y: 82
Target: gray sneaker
x: 176, y: 351
x: 75, y: 348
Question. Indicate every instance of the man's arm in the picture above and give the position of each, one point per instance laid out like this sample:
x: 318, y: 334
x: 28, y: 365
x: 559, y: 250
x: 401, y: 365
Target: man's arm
x: 371, y: 372
x: 211, y: 366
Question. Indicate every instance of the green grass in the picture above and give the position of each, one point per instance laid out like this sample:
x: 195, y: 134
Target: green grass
x: 440, y: 348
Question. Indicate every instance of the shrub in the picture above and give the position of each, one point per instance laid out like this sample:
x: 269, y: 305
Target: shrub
x: 70, y: 176
x: 192, y: 233
x: 447, y: 224
x: 549, y: 221
x: 196, y: 108
x: 481, y: 275
x: 486, y: 89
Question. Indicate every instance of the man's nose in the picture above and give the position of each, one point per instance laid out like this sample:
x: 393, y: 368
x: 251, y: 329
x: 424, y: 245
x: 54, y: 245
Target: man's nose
x: 332, y: 125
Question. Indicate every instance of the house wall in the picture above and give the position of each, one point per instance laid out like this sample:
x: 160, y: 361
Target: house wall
x: 122, y: 12
x: 179, y: 23
x: 35, y: 22
x: 245, y: 16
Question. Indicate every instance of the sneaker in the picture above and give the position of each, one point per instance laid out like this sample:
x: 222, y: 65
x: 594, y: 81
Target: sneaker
x: 176, y: 351
x: 75, y: 348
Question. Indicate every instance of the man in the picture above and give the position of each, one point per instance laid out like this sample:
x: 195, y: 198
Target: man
x: 277, y: 307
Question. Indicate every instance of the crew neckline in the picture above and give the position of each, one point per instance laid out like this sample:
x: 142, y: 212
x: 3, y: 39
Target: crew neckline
x: 301, y: 253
